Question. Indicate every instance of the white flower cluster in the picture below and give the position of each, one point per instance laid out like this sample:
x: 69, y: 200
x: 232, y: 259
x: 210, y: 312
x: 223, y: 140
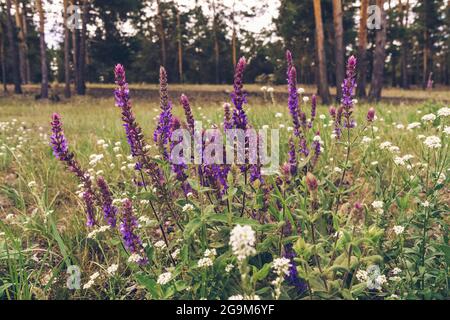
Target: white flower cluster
x: 188, y: 207
x: 429, y: 117
x: 164, y: 278
x: 401, y: 161
x: 91, y: 281
x: 413, y: 125
x: 246, y: 297
x: 398, y: 230
x: 94, y: 232
x: 281, y: 268
x: 208, y: 258
x: 444, y: 112
x: 432, y: 142
x: 389, y: 146
x: 378, y: 206
x: 242, y: 242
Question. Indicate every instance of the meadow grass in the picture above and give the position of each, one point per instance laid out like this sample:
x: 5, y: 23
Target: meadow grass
x: 42, y: 220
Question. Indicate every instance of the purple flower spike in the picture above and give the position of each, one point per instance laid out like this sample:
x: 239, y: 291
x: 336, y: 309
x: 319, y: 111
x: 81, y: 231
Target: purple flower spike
x: 133, y: 131
x: 292, y: 159
x: 128, y: 228
x: 188, y: 112
x: 109, y: 209
x: 239, y: 96
x: 313, y: 107
x: 293, y: 99
x: 289, y: 61
x: 227, y: 116
x: 162, y: 132
x: 61, y: 151
x: 348, y: 91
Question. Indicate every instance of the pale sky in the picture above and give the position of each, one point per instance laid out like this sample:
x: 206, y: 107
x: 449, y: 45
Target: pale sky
x: 263, y: 20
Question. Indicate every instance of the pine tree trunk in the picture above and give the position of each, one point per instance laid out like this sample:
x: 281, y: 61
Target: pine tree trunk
x: 25, y: 31
x: 67, y: 92
x: 320, y: 52
x: 76, y: 53
x: 180, y: 49
x: 339, y: 49
x: 22, y: 43
x: 2, y: 60
x: 81, y: 87
x: 14, y: 50
x: 379, y: 57
x: 162, y: 36
x: 404, y: 55
x: 216, y: 43
x: 43, y: 50
x: 362, y: 51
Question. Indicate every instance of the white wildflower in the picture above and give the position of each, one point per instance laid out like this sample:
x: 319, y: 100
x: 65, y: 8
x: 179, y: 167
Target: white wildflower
x: 433, y: 142
x: 205, y: 262
x: 398, y: 230
x: 429, y: 117
x: 188, y: 207
x: 112, y: 269
x: 242, y: 241
x: 444, y: 112
x: 164, y: 278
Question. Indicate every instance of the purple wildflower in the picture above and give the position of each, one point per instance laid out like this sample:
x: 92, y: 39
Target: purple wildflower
x: 313, y: 107
x: 317, y: 148
x: 162, y: 132
x: 371, y: 115
x: 133, y: 131
x: 61, y: 152
x: 239, y: 96
x: 292, y: 278
x: 348, y: 91
x: 179, y: 168
x: 292, y: 159
x: 227, y: 116
x: 303, y: 147
x: 289, y: 61
x: 109, y: 209
x: 188, y: 112
x: 293, y: 99
x: 128, y: 228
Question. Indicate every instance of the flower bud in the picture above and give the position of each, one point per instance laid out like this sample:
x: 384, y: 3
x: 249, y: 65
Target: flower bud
x: 311, y: 182
x: 371, y: 115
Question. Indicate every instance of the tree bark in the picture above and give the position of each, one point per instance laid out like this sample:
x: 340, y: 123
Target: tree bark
x: 233, y: 39
x: 2, y: 59
x: 404, y: 13
x: 67, y: 92
x: 81, y: 87
x: 162, y: 36
x: 76, y: 53
x: 43, y: 50
x: 13, y: 50
x: 379, y: 57
x: 339, y: 46
x: 180, y: 48
x: 362, y: 51
x: 216, y: 43
x: 22, y: 43
x: 320, y: 52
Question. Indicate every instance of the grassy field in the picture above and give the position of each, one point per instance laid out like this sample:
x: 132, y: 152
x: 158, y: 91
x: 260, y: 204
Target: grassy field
x: 42, y: 219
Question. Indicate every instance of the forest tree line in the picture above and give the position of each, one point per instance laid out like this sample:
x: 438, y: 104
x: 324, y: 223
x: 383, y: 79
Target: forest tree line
x: 201, y: 43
